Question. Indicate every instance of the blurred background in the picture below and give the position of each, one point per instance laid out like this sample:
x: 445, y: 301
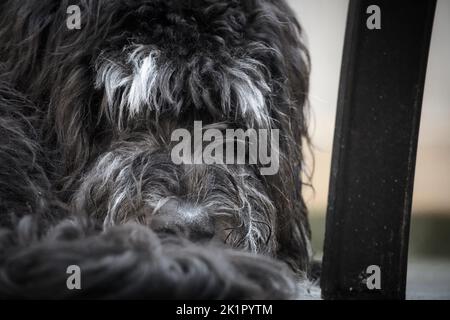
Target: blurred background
x: 429, y: 254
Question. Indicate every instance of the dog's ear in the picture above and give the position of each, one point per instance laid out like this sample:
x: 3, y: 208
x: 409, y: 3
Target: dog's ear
x: 51, y: 64
x: 275, y: 25
x: 24, y: 185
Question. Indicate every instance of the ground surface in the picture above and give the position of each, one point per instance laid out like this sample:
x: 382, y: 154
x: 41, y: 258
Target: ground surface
x: 428, y: 279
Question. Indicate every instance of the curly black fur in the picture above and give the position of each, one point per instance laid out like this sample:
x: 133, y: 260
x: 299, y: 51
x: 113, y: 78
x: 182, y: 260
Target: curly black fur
x: 85, y: 123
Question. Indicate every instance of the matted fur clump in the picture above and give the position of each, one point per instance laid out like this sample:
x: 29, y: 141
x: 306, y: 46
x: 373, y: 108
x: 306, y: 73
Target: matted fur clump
x: 87, y: 179
x: 131, y: 262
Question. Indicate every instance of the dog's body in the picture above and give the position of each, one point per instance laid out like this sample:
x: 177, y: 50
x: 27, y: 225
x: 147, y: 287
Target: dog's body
x: 86, y: 118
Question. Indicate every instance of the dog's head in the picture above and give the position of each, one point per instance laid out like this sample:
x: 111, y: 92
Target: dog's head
x: 114, y: 90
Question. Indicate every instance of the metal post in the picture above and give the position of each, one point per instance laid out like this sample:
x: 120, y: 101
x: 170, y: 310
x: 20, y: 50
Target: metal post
x: 375, y: 143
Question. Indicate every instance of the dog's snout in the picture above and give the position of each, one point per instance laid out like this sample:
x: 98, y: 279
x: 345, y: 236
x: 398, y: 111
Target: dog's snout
x: 181, y: 219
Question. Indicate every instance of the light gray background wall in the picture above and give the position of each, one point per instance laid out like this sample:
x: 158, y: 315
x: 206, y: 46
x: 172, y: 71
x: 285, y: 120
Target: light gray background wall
x: 324, y: 23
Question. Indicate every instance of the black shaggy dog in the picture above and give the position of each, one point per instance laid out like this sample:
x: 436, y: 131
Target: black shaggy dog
x: 86, y: 178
